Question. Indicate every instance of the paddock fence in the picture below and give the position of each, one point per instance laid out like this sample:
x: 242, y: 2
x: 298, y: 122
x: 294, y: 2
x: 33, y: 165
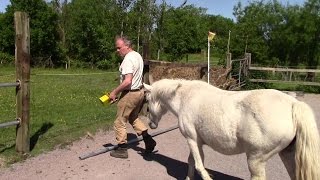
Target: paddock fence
x: 242, y: 70
x: 239, y: 70
x: 285, y: 75
x: 22, y: 64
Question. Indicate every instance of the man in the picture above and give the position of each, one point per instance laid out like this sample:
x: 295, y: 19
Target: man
x: 131, y: 99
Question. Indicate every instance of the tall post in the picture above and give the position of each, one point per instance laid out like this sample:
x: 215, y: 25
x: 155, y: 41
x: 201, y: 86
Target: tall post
x: 22, y: 62
x: 208, y: 60
x: 228, y: 51
x: 229, y: 56
x: 228, y: 60
x: 211, y: 36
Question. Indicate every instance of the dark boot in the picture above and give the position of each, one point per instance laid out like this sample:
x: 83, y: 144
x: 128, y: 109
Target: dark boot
x: 150, y: 143
x: 120, y: 152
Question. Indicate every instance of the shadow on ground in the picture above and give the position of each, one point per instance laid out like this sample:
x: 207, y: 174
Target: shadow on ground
x: 34, y: 139
x: 176, y: 169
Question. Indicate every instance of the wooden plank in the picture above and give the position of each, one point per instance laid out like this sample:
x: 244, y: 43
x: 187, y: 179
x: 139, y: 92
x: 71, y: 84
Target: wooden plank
x: 286, y: 82
x: 235, y: 60
x: 22, y: 62
x: 284, y: 69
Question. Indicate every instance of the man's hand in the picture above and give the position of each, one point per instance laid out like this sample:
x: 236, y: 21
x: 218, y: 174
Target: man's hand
x: 113, y: 97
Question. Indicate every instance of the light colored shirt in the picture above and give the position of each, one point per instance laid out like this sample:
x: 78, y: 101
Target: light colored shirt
x: 132, y: 64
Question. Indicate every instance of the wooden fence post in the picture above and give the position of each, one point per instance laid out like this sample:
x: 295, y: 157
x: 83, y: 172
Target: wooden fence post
x: 228, y: 60
x: 247, y: 63
x: 229, y: 56
x: 22, y: 62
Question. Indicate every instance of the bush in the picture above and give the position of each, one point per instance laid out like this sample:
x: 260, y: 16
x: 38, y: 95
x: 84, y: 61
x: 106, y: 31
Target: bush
x: 6, y: 59
x: 106, y: 64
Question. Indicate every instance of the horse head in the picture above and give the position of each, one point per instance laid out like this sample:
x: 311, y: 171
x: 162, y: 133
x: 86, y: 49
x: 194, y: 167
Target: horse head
x: 156, y: 109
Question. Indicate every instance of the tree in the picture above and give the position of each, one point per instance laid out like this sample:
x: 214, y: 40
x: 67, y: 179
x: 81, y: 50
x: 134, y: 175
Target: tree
x: 44, y: 35
x: 281, y: 35
x: 311, y: 17
x: 221, y: 26
x: 90, y: 32
x: 184, y: 30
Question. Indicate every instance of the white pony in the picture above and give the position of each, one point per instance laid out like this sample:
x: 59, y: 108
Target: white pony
x: 259, y: 123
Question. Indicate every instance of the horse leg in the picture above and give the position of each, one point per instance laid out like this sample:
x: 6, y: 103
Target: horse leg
x: 190, y: 167
x: 287, y: 156
x: 197, y: 154
x: 257, y: 166
x: 191, y: 163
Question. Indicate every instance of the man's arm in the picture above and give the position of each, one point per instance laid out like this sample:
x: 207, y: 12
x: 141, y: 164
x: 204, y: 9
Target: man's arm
x: 126, y: 84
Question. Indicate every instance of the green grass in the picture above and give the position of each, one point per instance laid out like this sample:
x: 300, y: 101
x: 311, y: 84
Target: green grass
x: 200, y: 58
x: 64, y: 106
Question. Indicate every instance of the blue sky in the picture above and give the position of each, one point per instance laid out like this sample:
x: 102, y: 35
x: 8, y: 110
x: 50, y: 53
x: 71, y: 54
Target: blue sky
x: 216, y: 7
x: 223, y: 7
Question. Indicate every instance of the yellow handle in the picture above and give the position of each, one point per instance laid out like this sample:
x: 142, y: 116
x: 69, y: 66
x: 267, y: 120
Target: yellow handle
x: 105, y: 99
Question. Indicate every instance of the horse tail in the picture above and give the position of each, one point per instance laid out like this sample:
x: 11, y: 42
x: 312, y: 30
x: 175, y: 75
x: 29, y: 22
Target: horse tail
x: 307, y: 145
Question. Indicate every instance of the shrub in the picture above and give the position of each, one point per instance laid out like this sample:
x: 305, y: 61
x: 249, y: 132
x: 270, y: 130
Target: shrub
x: 6, y: 59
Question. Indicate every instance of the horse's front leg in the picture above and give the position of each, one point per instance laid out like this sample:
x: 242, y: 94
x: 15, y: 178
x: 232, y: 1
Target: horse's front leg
x: 191, y: 163
x: 197, y: 161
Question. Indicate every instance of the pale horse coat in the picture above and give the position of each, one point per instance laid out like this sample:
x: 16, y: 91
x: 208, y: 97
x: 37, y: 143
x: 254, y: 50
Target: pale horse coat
x: 260, y: 123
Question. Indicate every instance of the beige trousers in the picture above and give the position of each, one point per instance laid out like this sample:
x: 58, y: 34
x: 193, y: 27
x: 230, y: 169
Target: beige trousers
x: 128, y: 106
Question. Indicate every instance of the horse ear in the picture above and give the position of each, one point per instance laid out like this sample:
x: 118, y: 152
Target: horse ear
x: 147, y: 91
x: 147, y: 87
x: 179, y: 85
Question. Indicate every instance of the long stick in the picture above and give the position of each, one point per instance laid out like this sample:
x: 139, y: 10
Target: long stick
x: 106, y: 149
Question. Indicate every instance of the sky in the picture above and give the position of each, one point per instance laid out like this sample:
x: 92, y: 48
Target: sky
x: 215, y: 7
x: 223, y: 7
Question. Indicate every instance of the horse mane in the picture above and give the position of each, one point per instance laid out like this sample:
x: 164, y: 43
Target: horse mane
x: 166, y: 88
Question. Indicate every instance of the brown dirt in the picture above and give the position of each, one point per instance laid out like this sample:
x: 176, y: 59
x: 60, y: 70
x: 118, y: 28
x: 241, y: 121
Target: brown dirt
x: 169, y: 162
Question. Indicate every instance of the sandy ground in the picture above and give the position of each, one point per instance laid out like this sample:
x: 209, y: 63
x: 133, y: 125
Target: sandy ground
x: 168, y: 162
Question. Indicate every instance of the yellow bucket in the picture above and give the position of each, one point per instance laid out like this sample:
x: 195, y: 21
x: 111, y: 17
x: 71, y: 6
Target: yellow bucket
x: 105, y: 99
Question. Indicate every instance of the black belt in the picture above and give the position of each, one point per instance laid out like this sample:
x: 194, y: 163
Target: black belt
x: 133, y: 90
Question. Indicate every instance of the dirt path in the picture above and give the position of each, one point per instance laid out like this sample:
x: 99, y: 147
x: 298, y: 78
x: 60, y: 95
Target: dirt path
x: 169, y: 162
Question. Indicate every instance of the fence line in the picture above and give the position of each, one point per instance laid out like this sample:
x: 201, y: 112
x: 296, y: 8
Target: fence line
x: 75, y: 74
x: 241, y: 72
x: 288, y: 80
x: 284, y: 69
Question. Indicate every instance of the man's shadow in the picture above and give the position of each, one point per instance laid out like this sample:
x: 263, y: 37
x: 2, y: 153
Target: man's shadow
x: 176, y: 169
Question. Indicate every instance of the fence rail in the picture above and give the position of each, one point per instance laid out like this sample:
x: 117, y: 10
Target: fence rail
x: 10, y: 84
x: 289, y: 72
x: 286, y: 82
x: 284, y: 69
x: 17, y: 121
x: 12, y: 123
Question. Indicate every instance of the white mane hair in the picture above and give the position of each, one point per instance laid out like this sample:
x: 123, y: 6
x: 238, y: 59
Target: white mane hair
x: 166, y: 88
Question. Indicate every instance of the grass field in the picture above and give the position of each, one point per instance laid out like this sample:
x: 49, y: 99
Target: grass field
x: 64, y: 107
x: 197, y: 58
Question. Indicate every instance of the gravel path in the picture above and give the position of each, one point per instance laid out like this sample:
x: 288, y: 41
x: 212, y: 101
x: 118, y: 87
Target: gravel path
x: 169, y: 162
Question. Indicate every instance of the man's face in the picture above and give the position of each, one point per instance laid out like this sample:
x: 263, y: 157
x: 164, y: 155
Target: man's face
x: 122, y: 49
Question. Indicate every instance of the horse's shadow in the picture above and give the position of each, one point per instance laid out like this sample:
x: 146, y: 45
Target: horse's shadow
x: 176, y: 169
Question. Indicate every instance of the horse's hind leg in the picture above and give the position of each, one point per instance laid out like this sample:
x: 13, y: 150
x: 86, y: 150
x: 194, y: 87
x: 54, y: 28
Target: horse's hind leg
x: 257, y: 166
x: 287, y: 157
x: 190, y: 167
x: 197, y: 153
